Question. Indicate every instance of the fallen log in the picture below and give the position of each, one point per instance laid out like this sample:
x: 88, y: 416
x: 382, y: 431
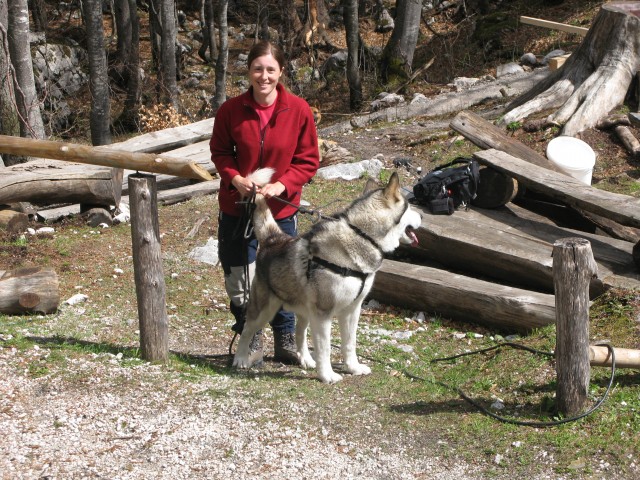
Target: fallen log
x: 197, y: 153
x: 599, y: 356
x: 628, y: 139
x: 47, y: 182
x: 102, y: 155
x: 29, y: 290
x: 444, y: 104
x: 622, y: 209
x: 511, y: 246
x: 168, y: 139
x: 462, y: 298
x: 486, y: 135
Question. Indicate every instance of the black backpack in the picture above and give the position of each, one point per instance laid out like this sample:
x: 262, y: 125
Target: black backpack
x: 448, y: 186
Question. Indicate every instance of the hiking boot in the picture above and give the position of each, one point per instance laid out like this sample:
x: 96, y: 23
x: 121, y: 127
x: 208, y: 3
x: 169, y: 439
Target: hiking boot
x: 255, y: 349
x: 284, y: 347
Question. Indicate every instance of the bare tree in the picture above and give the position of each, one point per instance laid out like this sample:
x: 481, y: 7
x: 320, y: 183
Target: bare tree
x: 100, y: 119
x: 129, y: 117
x: 397, y: 57
x: 31, y: 124
x: 223, y: 56
x: 124, y: 27
x: 39, y: 15
x: 9, y: 124
x: 353, y: 47
x: 209, y: 43
x: 168, y: 64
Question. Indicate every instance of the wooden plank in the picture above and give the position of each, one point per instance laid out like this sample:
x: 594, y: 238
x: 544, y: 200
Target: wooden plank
x: 168, y: 139
x: 197, y: 153
x: 623, y: 209
x: 462, y: 298
x: 556, y: 62
x: 486, y: 135
x: 181, y: 194
x: 515, y: 249
x: 103, y: 155
x: 538, y: 22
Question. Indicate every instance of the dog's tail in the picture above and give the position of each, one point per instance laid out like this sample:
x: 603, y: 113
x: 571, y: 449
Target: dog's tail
x: 264, y: 225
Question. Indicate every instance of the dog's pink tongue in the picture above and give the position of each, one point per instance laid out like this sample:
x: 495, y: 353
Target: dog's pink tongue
x: 414, y: 239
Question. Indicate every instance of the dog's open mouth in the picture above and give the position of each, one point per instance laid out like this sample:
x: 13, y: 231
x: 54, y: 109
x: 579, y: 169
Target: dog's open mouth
x: 410, y: 232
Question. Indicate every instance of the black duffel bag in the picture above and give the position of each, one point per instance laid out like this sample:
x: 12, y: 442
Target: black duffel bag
x: 449, y: 186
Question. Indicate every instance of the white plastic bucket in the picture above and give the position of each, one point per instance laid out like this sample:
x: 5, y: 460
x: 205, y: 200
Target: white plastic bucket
x: 573, y: 156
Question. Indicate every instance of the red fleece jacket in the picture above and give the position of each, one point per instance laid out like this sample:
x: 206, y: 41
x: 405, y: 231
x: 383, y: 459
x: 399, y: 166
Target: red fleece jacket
x: 289, y: 144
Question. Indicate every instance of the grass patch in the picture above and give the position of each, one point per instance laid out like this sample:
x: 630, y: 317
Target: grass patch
x: 409, y: 400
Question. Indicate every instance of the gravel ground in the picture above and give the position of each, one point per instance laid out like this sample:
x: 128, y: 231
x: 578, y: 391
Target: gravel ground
x: 133, y: 422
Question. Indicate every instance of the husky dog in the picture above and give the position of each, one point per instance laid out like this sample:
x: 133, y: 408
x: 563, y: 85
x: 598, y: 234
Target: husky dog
x: 324, y: 273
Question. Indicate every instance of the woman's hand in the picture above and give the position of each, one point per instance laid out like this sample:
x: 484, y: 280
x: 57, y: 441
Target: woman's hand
x: 243, y: 185
x: 272, y: 189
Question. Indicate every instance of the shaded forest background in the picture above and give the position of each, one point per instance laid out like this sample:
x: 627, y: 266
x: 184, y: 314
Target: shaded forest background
x: 455, y: 39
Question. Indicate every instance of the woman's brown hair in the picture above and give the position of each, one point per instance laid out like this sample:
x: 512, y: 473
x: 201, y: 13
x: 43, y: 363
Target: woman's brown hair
x: 265, y: 47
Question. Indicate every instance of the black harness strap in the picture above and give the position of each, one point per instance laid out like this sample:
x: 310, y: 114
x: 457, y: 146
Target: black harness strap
x: 344, y: 271
x: 361, y: 234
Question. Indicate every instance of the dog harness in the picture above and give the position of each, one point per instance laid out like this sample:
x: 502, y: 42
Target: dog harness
x: 315, y: 262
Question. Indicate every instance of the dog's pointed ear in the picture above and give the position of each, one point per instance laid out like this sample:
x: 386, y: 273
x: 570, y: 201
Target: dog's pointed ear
x: 391, y: 190
x: 370, y: 185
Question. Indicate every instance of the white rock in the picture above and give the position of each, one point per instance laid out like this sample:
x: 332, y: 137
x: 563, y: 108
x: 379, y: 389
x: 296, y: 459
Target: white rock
x: 77, y: 298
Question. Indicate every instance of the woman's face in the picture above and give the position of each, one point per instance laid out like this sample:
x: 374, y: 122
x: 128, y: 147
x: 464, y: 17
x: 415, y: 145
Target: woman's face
x: 264, y: 74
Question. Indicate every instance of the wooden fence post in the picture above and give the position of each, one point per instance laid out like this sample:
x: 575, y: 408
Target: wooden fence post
x: 573, y: 269
x: 147, y: 267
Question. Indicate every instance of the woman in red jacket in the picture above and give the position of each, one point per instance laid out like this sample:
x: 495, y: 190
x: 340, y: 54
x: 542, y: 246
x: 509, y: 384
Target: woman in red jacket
x: 267, y: 126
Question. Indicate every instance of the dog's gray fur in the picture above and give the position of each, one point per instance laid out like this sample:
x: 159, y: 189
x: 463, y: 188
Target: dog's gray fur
x: 288, y: 272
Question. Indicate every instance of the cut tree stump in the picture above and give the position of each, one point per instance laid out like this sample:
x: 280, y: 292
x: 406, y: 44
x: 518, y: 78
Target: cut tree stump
x: 594, y: 79
x: 29, y: 290
x: 13, y: 222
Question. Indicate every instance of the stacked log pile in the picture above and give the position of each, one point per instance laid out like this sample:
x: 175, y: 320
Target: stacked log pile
x: 487, y: 266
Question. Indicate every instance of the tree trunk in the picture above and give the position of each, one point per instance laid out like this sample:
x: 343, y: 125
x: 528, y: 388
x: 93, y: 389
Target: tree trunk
x: 100, y: 118
x: 39, y: 15
x: 147, y: 269
x: 124, y: 27
x: 9, y: 123
x: 155, y: 32
x: 168, y: 68
x: 594, y: 79
x: 353, y: 44
x: 573, y: 269
x: 397, y: 57
x: 129, y: 118
x: 223, y: 57
x: 25, y: 88
x: 29, y: 290
x: 207, y: 16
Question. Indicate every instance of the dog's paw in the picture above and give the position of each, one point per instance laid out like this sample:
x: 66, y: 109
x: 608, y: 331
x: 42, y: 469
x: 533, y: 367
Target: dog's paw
x: 307, y: 361
x: 241, y: 362
x: 330, y: 377
x: 358, y: 369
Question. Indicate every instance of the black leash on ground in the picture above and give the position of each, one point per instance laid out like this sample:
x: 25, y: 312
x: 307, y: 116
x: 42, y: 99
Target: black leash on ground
x: 512, y: 421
